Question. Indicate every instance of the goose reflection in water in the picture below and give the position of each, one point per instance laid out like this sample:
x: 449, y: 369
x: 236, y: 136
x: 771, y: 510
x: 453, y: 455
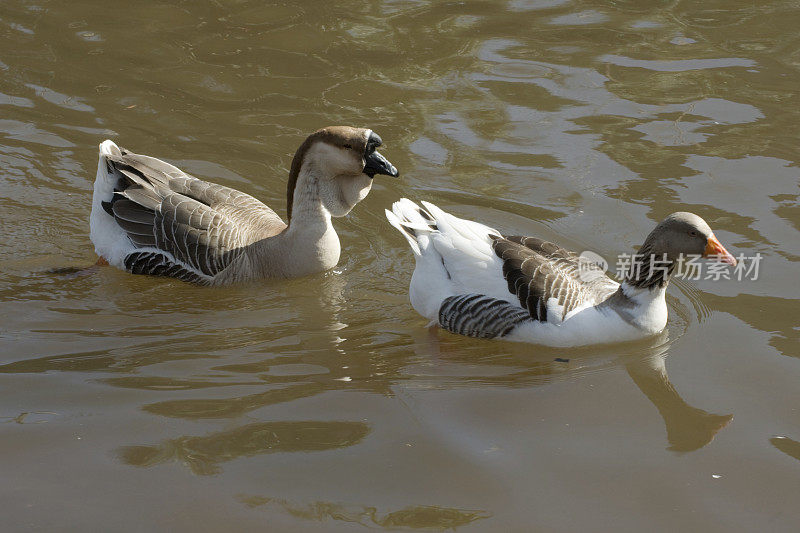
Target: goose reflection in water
x: 203, y: 455
x: 688, y: 428
x: 415, y: 517
x: 788, y: 446
x: 295, y: 364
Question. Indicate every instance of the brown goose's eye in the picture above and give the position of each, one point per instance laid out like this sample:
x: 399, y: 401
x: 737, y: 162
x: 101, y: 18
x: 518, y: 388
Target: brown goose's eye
x: 348, y: 146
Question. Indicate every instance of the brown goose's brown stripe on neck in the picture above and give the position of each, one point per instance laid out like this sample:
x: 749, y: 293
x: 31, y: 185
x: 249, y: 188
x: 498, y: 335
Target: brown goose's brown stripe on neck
x: 297, y: 162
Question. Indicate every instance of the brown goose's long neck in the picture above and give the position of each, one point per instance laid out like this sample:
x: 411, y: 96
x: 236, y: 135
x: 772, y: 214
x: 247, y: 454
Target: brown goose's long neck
x: 309, y: 244
x: 305, y: 205
x: 649, y: 270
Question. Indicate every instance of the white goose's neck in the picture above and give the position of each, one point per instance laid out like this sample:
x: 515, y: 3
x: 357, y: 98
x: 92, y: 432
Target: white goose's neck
x: 310, y: 243
x: 644, y: 307
x: 642, y: 296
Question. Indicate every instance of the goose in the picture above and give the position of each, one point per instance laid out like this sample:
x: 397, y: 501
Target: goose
x: 471, y: 280
x: 150, y: 217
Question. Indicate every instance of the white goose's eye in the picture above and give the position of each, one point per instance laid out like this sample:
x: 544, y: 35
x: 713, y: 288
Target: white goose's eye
x: 693, y: 233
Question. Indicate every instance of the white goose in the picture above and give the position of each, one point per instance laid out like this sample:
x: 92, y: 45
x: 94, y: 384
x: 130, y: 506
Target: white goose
x: 471, y: 280
x: 149, y: 217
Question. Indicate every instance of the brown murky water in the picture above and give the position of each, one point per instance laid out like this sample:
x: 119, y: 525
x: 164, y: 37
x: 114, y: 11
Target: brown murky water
x: 324, y: 404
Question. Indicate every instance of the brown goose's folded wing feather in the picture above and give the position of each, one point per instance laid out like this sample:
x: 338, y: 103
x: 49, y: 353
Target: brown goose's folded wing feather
x: 538, y: 271
x: 203, y: 226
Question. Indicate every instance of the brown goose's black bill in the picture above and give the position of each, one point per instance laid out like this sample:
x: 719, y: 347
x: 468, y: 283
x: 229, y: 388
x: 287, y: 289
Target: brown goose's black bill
x: 375, y: 163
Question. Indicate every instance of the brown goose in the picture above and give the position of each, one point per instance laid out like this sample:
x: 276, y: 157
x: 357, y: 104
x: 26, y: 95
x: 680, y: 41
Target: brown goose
x: 471, y: 280
x: 150, y: 217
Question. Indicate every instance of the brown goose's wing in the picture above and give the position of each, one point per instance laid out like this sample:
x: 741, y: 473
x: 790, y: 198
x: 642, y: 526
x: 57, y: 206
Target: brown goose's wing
x: 185, y: 227
x: 547, y: 278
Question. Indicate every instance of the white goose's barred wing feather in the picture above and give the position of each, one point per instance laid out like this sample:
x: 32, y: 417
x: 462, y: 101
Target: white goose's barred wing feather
x: 478, y: 315
x: 182, y: 227
x: 546, y: 278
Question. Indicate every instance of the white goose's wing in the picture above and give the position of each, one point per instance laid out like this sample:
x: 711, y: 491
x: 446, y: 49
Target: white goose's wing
x: 546, y: 281
x: 550, y: 282
x: 181, y: 226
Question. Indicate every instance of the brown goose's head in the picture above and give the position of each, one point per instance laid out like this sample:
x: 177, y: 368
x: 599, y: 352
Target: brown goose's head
x: 687, y: 234
x: 343, y: 161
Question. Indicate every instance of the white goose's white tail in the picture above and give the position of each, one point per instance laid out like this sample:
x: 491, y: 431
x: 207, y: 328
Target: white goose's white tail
x: 110, y: 240
x: 413, y: 222
x: 453, y: 256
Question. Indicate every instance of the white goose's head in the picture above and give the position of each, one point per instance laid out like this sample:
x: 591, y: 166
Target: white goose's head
x: 679, y: 235
x: 343, y: 161
x: 685, y: 234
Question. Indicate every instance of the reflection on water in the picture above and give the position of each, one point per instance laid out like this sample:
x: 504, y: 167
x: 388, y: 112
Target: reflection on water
x: 233, y: 407
x: 788, y: 446
x: 204, y: 454
x: 35, y: 417
x: 419, y: 517
x: 577, y: 121
x: 688, y: 428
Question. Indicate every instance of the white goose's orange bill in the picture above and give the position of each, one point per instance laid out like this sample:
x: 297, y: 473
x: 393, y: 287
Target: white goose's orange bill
x: 715, y: 249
